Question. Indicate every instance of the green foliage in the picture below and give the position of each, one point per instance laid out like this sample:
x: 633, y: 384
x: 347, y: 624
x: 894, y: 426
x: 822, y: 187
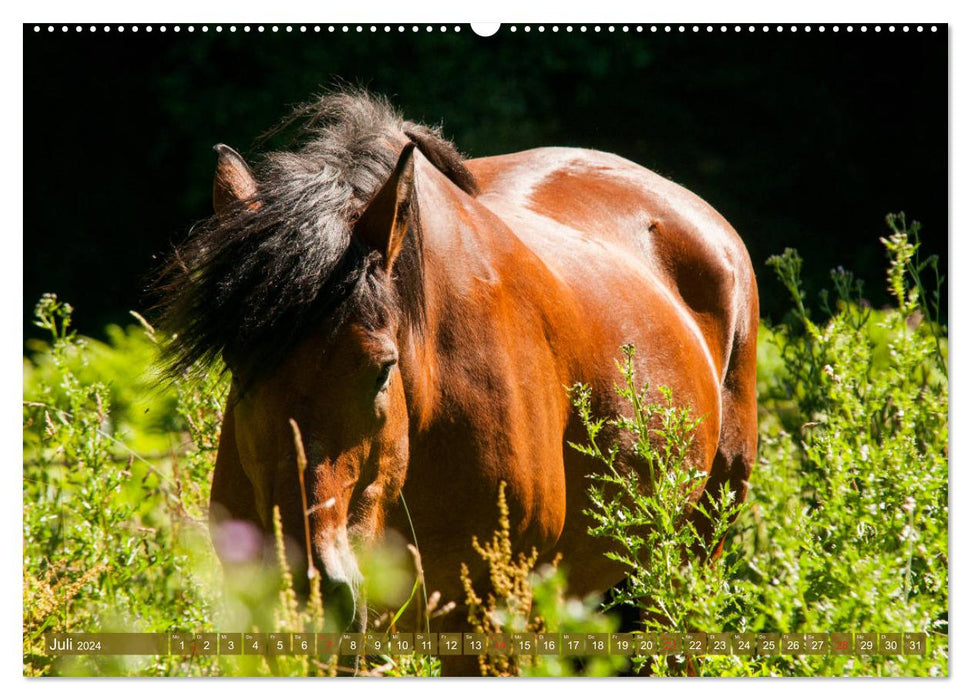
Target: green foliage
x: 845, y: 529
x: 848, y: 528
x: 109, y: 542
x: 118, y: 540
x: 142, y: 408
x: 559, y: 612
x: 114, y: 540
x: 643, y: 513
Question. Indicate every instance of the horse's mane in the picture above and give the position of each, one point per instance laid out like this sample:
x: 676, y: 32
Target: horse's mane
x: 252, y: 281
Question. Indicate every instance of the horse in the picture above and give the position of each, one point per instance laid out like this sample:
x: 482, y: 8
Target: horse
x: 418, y: 315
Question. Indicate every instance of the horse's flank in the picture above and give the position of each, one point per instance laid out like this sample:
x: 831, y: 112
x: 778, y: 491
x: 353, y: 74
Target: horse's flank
x: 563, y: 257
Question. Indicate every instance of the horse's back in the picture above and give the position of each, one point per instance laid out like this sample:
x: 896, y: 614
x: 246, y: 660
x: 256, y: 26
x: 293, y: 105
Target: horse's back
x: 591, y: 215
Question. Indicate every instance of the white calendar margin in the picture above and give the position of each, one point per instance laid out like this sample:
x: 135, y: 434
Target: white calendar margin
x: 438, y: 12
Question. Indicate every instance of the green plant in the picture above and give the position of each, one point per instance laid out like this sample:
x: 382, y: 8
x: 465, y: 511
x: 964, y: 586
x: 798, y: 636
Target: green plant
x: 509, y: 602
x: 848, y: 529
x: 845, y: 529
x: 643, y: 514
x: 109, y: 544
x: 521, y: 599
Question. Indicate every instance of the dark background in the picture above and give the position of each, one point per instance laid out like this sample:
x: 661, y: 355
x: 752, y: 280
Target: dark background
x: 804, y: 140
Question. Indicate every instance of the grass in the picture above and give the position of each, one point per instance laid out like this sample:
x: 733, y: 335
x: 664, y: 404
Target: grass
x: 844, y: 530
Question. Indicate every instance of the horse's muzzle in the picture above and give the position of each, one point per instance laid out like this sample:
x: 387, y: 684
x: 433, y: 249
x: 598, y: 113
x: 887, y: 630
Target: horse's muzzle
x: 340, y: 586
x: 340, y: 604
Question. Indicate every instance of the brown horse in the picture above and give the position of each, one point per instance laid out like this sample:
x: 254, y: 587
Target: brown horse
x: 419, y: 315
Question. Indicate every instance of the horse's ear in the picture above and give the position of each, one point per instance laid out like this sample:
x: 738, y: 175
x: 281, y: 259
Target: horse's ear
x: 234, y: 181
x: 384, y: 223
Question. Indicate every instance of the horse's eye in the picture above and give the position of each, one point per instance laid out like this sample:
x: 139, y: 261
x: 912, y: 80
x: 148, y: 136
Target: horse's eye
x: 384, y: 375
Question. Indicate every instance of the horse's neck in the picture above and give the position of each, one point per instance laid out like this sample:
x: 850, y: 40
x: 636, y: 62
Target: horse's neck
x: 467, y: 252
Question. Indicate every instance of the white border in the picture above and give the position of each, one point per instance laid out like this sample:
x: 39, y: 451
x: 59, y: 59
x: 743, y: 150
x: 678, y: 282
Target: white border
x: 509, y: 11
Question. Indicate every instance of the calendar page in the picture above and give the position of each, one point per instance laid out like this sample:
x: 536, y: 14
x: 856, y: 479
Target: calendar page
x: 523, y: 350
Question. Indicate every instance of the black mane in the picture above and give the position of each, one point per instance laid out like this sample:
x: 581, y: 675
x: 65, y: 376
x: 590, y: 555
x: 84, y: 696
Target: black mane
x: 252, y: 282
